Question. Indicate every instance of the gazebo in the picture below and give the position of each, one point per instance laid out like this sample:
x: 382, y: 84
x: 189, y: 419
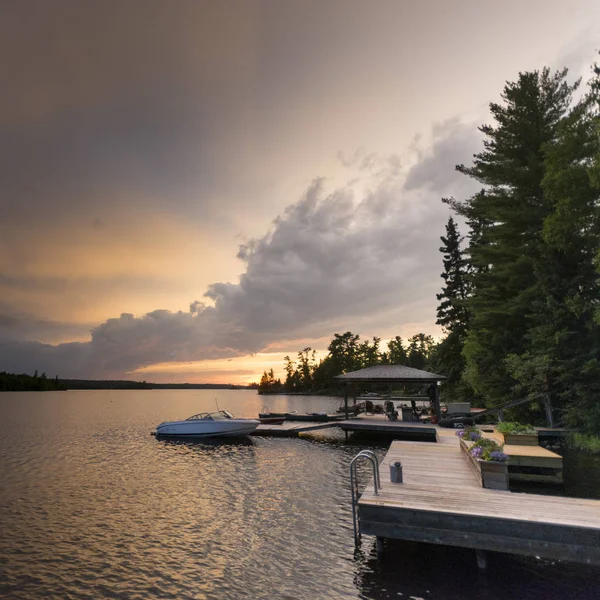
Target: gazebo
x: 392, y: 374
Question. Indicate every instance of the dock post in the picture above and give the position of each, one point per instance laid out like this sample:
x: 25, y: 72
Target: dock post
x: 380, y: 547
x: 481, y: 559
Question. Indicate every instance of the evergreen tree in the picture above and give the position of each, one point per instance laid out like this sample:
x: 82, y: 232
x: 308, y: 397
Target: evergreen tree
x: 396, y: 354
x: 343, y: 350
x: 368, y: 354
x: 306, y: 367
x: 268, y: 383
x: 563, y: 357
x: 507, y: 220
x: 452, y: 313
x: 453, y: 316
x: 420, y: 347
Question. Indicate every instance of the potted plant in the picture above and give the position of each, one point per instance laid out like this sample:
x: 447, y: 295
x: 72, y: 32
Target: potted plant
x: 517, y: 434
x: 486, y: 458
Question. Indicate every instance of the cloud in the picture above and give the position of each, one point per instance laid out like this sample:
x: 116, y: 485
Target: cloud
x: 20, y: 325
x: 363, y: 257
x: 336, y: 259
x: 453, y: 143
x: 329, y: 260
x: 371, y: 162
x: 123, y: 344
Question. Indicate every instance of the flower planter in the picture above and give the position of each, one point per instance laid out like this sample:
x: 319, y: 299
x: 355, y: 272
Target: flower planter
x: 491, y: 474
x: 518, y: 439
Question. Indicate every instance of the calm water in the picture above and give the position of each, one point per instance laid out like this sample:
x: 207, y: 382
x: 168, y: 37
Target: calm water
x: 92, y: 506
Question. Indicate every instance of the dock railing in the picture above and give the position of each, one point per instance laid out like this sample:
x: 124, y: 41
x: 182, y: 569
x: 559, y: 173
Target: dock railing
x: 372, y: 458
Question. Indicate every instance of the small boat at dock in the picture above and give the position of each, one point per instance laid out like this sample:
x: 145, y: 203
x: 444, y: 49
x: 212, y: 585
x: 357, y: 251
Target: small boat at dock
x: 267, y: 414
x: 220, y: 423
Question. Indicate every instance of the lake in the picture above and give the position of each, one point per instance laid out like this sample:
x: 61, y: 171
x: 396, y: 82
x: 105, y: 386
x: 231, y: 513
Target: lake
x: 93, y: 506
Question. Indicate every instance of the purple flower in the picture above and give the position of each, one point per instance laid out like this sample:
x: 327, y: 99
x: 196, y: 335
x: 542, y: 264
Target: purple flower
x: 474, y: 436
x: 476, y: 452
x: 460, y: 433
x: 498, y: 456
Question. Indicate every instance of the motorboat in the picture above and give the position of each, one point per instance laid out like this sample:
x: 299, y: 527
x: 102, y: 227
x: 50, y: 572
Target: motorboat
x: 220, y: 423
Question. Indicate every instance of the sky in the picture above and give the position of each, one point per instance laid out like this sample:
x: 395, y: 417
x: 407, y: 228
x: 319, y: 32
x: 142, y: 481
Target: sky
x: 191, y: 190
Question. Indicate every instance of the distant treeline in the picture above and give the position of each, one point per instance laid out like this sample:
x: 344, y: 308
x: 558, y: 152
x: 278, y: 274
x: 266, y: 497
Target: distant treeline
x: 13, y: 382
x: 106, y: 384
x: 347, y: 353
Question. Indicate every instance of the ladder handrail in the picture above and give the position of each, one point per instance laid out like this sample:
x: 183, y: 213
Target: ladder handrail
x: 375, y: 458
x: 372, y: 458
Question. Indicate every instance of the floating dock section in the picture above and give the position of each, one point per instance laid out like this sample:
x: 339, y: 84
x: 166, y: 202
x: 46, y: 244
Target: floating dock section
x: 367, y: 425
x: 290, y: 429
x: 441, y: 502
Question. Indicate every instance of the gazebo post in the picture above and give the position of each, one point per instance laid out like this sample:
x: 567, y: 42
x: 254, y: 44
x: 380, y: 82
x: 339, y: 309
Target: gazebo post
x: 346, y: 400
x: 436, y: 400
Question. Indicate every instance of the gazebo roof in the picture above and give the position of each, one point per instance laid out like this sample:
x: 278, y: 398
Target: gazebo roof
x: 390, y: 374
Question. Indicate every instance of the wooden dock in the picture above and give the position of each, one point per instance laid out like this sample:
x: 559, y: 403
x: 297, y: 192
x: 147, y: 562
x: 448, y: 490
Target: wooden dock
x: 291, y: 428
x: 365, y: 424
x: 535, y: 464
x: 441, y: 502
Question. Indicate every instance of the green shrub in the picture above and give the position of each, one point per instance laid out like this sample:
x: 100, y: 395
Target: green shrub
x: 587, y: 443
x: 514, y: 428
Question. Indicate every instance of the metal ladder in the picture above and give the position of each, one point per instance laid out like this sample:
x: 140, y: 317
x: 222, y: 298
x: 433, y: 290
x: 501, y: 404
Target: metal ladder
x: 372, y: 458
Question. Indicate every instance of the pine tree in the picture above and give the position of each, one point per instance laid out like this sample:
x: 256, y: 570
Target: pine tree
x: 396, y: 354
x: 453, y: 316
x: 507, y: 219
x: 563, y: 357
x: 343, y: 351
x: 452, y: 313
x: 419, y: 351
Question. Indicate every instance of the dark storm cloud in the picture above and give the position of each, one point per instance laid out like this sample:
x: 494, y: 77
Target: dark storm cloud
x: 73, y: 359
x: 123, y: 344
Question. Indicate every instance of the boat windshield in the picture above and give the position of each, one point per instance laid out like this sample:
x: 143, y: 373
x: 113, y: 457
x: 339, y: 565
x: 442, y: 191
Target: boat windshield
x: 219, y: 415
